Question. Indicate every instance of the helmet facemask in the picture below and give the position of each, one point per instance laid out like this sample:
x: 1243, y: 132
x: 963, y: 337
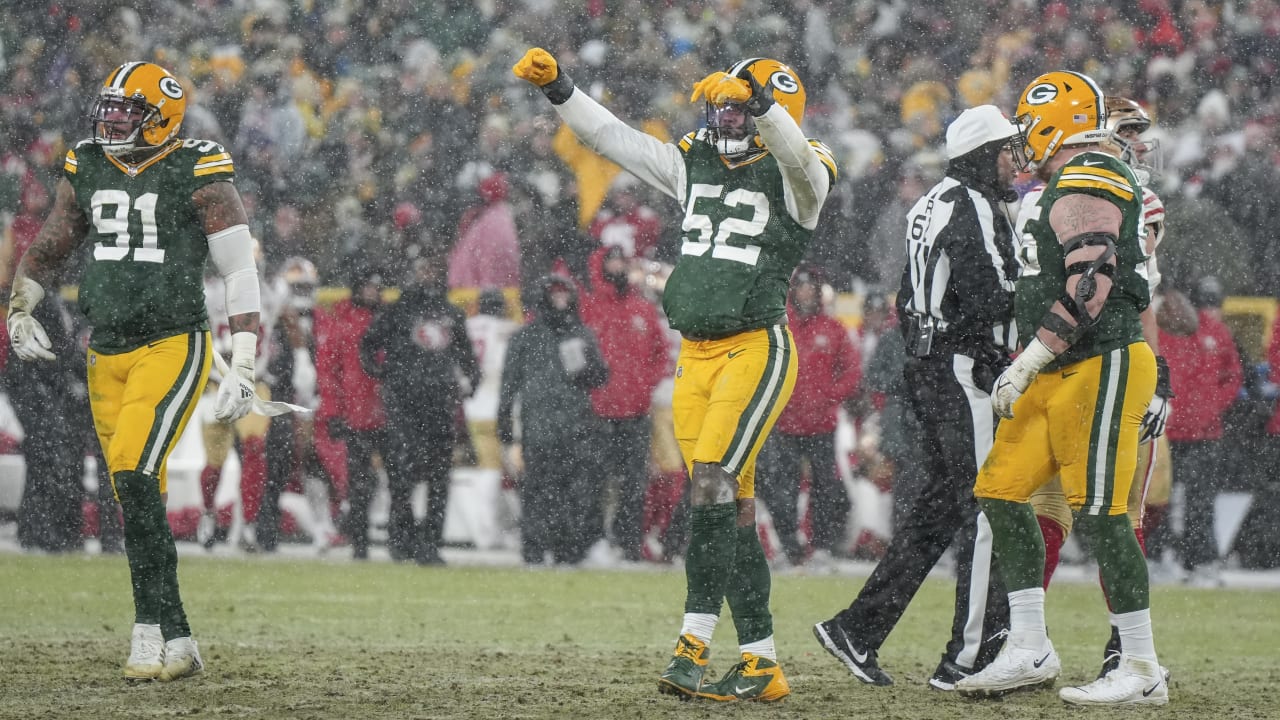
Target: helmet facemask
x: 731, y: 128
x: 118, y: 122
x: 1140, y: 154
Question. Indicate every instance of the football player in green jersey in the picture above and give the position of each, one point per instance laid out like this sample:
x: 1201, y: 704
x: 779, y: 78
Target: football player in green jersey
x: 1074, y: 398
x: 147, y: 208
x: 750, y: 187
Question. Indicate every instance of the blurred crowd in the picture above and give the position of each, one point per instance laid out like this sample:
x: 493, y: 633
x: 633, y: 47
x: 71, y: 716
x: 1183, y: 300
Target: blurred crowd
x: 392, y: 135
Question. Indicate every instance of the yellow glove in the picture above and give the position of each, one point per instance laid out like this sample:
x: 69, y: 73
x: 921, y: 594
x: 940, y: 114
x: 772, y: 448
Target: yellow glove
x: 720, y: 88
x: 537, y: 66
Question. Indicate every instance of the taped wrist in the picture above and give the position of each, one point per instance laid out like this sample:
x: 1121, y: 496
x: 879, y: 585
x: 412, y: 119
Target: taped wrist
x: 1164, y: 387
x: 244, y: 347
x: 26, y: 294
x: 559, y: 90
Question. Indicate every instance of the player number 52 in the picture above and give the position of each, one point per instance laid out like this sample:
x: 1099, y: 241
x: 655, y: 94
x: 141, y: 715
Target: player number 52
x: 716, y: 239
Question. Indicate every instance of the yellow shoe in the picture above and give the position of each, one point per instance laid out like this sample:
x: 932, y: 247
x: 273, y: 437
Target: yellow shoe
x: 683, y: 675
x: 755, y: 678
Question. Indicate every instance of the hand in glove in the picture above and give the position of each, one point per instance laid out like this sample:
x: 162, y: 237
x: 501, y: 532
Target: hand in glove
x: 540, y: 68
x: 720, y: 88
x: 28, y: 337
x: 26, y: 334
x: 1017, y: 378
x: 1157, y: 415
x: 236, y: 393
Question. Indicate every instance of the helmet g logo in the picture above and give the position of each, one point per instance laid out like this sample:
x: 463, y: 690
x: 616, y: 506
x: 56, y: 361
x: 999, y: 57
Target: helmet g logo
x: 784, y: 82
x: 171, y: 87
x: 1042, y: 93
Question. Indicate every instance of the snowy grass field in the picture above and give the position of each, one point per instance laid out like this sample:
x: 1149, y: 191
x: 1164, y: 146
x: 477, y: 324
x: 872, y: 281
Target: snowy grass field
x: 312, y: 639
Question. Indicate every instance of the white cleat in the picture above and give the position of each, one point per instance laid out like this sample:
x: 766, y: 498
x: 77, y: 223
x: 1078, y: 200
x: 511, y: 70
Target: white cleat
x: 1015, y: 668
x: 146, y: 653
x: 1135, y: 682
x: 181, y: 659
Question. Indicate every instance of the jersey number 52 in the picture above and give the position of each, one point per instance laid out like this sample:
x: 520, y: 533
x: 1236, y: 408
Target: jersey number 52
x: 716, y: 239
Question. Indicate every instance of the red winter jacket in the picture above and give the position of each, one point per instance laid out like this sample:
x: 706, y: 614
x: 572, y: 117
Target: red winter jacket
x: 346, y: 391
x: 830, y: 371
x: 1204, y: 369
x: 633, y: 341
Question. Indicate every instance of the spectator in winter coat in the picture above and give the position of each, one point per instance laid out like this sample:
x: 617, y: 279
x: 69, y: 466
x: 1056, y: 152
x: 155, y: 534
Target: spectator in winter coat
x: 418, y: 347
x: 351, y: 409
x: 633, y: 342
x: 552, y: 364
x: 830, y: 370
x: 1205, y: 372
x: 487, y: 253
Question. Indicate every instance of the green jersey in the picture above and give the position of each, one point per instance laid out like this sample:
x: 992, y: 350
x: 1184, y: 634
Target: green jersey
x: 147, y: 247
x: 1044, y: 275
x: 739, y: 245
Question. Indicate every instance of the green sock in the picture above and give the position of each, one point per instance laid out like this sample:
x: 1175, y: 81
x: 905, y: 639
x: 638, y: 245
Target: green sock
x: 1016, y: 541
x: 153, y: 557
x: 708, y: 563
x: 748, y: 588
x: 1120, y: 561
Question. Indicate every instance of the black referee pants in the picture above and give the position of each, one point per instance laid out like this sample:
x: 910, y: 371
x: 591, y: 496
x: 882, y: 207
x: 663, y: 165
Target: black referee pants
x: 958, y: 428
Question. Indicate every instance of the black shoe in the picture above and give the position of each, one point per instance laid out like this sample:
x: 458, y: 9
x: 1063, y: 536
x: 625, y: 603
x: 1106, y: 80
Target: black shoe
x: 947, y: 675
x: 862, y: 663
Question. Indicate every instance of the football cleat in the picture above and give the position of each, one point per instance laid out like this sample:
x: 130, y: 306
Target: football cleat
x: 947, y: 675
x: 1134, y: 682
x: 146, y: 653
x: 181, y: 659
x: 206, y: 530
x: 683, y: 676
x: 861, y: 662
x: 755, y: 678
x: 1015, y: 668
x: 249, y: 538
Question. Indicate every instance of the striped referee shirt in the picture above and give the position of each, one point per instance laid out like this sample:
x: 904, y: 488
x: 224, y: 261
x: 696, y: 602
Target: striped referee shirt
x: 961, y: 268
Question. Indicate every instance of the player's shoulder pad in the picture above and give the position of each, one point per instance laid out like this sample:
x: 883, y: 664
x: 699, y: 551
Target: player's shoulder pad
x: 209, y: 158
x: 1098, y: 173
x: 686, y: 143
x: 70, y: 162
x: 826, y: 156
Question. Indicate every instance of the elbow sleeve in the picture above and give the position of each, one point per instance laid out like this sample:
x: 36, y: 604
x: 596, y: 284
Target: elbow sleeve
x: 231, y: 251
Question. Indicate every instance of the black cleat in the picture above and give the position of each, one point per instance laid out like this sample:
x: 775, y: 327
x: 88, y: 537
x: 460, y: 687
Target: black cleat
x: 947, y: 675
x: 862, y: 663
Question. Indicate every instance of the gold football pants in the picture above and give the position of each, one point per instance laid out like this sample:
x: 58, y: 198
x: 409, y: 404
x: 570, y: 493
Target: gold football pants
x: 1151, y: 484
x: 728, y: 394
x: 1080, y: 422
x: 142, y: 400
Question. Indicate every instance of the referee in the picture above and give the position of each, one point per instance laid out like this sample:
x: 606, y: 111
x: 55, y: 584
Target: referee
x: 956, y: 311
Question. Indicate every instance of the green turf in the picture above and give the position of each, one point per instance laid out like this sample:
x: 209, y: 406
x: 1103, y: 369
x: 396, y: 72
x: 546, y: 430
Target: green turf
x: 306, y: 639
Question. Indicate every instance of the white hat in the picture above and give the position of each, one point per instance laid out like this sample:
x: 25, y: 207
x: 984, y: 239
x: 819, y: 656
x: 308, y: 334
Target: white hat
x: 976, y: 127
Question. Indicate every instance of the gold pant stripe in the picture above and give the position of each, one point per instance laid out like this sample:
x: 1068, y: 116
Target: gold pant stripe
x: 762, y: 403
x: 172, y: 409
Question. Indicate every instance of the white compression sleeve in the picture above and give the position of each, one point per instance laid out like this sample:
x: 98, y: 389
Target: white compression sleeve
x: 231, y: 251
